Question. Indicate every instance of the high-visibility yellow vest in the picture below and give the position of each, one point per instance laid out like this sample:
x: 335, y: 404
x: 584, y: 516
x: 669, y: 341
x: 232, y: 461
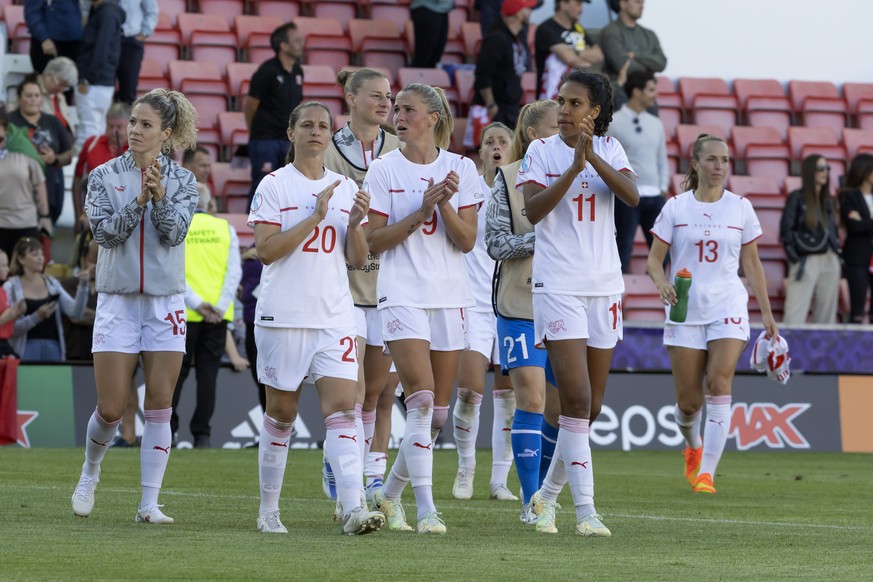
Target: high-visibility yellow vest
x: 206, y: 249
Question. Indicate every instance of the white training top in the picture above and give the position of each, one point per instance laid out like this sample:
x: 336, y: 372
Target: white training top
x: 427, y: 269
x: 576, y: 250
x: 309, y: 287
x: 480, y: 267
x: 706, y: 239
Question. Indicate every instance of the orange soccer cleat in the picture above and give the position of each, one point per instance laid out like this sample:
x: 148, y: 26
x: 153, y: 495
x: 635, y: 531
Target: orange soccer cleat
x: 692, y: 463
x: 703, y: 484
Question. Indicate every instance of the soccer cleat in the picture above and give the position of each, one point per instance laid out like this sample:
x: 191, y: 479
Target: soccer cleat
x: 328, y: 483
x: 83, y: 496
x: 545, y: 514
x: 371, y: 491
x: 431, y: 523
x: 692, y: 463
x: 501, y: 493
x: 703, y: 484
x: 394, y: 514
x: 152, y: 514
x: 270, y: 523
x: 590, y: 526
x: 463, y: 488
x: 360, y: 521
x: 527, y: 516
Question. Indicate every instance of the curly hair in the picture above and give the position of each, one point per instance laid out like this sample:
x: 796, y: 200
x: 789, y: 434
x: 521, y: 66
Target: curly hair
x: 600, y: 93
x: 176, y: 113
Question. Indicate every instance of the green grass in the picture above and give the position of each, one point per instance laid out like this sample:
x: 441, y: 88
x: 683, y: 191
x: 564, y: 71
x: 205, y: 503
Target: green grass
x: 776, y: 515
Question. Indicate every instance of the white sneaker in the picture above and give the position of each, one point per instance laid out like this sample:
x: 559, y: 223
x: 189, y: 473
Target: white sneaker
x: 153, y: 514
x: 395, y: 515
x: 591, y: 526
x: 270, y: 523
x: 83, y: 496
x: 431, y: 523
x: 463, y: 488
x: 545, y: 511
x: 500, y: 492
x: 360, y: 521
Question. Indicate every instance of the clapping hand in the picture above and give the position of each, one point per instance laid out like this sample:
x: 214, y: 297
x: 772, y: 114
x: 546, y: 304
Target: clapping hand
x: 322, y: 199
x: 360, y: 208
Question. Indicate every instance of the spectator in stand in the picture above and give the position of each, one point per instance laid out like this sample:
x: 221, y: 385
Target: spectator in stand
x: 55, y: 28
x: 24, y: 209
x: 78, y: 331
x: 212, y: 274
x: 98, y: 61
x: 8, y: 312
x: 503, y: 59
x: 628, y: 45
x: 430, y: 21
x: 96, y: 151
x: 276, y: 89
x: 809, y: 232
x: 38, y: 335
x: 48, y: 136
x: 561, y: 45
x: 856, y: 215
x: 645, y: 143
x: 59, y: 75
x: 139, y: 24
x: 198, y: 162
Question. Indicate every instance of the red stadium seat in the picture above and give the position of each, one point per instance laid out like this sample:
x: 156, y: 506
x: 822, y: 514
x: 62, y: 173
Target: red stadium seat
x: 194, y: 77
x: 859, y: 98
x: 245, y: 26
x: 669, y: 105
x: 641, y: 293
x: 709, y: 101
x: 764, y: 104
x: 326, y: 42
x: 471, y: 34
x: 528, y: 85
x: 791, y: 184
x: 775, y: 272
x: 769, y: 245
x: 637, y: 314
x: 17, y: 32
x: 819, y: 103
x: 390, y: 11
x: 818, y: 140
x: 284, y: 9
x: 763, y: 151
x: 232, y: 131
x: 229, y: 9
x: 676, y: 182
x: 151, y: 76
x: 458, y: 131
x: 239, y: 221
x: 464, y: 79
x: 208, y: 37
x: 858, y: 141
x: 165, y: 42
x: 172, y: 8
x: 432, y: 77
x: 319, y: 83
x: 762, y: 191
x: 686, y: 135
x: 378, y: 43
x: 342, y: 12
x: 672, y: 157
x: 239, y: 75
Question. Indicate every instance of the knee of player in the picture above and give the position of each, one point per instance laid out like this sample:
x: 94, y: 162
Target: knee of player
x: 718, y: 385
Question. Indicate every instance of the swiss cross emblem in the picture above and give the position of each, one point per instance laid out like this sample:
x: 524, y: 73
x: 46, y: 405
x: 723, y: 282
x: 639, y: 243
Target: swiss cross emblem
x: 584, y: 184
x: 705, y: 233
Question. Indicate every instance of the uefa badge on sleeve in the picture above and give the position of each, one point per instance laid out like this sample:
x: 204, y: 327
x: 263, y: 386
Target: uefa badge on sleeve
x: 525, y: 164
x: 256, y: 202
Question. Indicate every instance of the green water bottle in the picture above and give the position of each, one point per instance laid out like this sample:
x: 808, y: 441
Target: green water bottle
x: 682, y: 284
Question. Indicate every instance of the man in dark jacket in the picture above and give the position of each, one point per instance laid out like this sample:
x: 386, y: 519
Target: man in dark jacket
x: 97, y: 64
x: 55, y: 28
x: 503, y: 59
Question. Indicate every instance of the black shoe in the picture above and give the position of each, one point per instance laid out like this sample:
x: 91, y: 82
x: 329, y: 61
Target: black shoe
x: 201, y: 441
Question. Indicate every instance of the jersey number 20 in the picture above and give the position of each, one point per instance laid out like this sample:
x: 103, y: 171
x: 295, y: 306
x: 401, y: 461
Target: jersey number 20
x: 328, y: 240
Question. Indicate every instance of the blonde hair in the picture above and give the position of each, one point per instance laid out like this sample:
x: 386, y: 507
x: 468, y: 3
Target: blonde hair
x: 436, y: 101
x: 177, y: 114
x: 530, y: 115
x: 352, y: 81
x: 692, y: 180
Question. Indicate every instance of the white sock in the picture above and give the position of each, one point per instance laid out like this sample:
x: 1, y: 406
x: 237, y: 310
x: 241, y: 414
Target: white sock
x: 345, y: 458
x: 556, y: 476
x: 466, y: 427
x: 375, y: 468
x: 398, y: 477
x: 501, y: 436
x: 418, y: 448
x: 362, y: 439
x: 368, y: 417
x: 98, y: 437
x: 272, y: 457
x: 689, y: 426
x: 718, y: 413
x: 576, y: 450
x: 157, y: 439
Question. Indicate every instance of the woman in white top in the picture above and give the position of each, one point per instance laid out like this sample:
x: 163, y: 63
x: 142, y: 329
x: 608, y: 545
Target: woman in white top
x: 139, y: 206
x: 496, y: 140
x: 570, y: 184
x: 709, y: 232
x: 307, y: 223
x: 352, y: 149
x: 422, y: 220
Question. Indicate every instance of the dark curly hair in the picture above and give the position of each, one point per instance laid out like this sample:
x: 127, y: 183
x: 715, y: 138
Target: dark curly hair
x: 600, y: 92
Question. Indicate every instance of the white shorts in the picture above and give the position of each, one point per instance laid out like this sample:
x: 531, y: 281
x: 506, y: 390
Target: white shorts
x: 445, y: 329
x: 369, y: 324
x: 289, y: 355
x: 482, y: 332
x: 696, y: 337
x: 135, y: 323
x: 562, y: 317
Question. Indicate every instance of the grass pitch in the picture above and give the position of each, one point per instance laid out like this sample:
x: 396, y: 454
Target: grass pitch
x: 776, y: 516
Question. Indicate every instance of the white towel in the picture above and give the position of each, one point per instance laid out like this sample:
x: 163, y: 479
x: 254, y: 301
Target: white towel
x: 771, y: 357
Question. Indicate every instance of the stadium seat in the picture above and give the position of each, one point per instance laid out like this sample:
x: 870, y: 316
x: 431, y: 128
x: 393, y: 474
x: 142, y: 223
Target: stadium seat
x: 208, y: 38
x: 396, y: 11
x: 775, y: 272
x: 669, y: 105
x: 858, y: 141
x: 639, y: 314
x: 239, y: 76
x: 339, y: 121
x: 432, y: 77
x: 686, y: 135
x: 819, y: 103
x: 458, y: 131
x: 672, y: 157
x: 17, y: 32
x: 455, y: 52
x: 804, y: 141
x: 762, y: 191
x: 192, y: 77
x: 764, y: 104
x: 172, y: 8
x: 640, y: 293
x: 229, y: 9
x: 471, y: 34
x: 151, y: 76
x: 790, y: 184
x: 326, y: 42
x: 232, y: 131
x: 464, y: 79
x: 378, y: 43
x: 239, y: 221
x: 676, y: 183
x: 342, y: 12
x: 529, y: 86
x: 246, y: 25
x: 859, y: 98
x: 319, y: 83
x: 709, y: 102
x: 769, y: 245
x: 762, y: 151
x: 165, y: 42
x: 231, y: 186
x: 284, y: 9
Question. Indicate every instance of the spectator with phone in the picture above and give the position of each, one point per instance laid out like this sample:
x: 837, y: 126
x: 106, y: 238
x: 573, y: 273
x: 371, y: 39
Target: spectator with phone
x: 38, y: 335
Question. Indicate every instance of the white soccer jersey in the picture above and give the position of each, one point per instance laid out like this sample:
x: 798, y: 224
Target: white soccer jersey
x: 576, y: 251
x: 480, y: 267
x: 308, y: 288
x: 426, y: 270
x: 706, y: 239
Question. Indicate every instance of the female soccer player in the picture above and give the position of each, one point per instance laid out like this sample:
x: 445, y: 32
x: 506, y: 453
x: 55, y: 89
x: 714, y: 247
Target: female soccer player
x: 352, y: 149
x: 510, y: 239
x: 496, y: 139
x: 423, y: 218
x: 307, y: 223
x: 140, y: 206
x: 710, y: 232
x: 570, y: 183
